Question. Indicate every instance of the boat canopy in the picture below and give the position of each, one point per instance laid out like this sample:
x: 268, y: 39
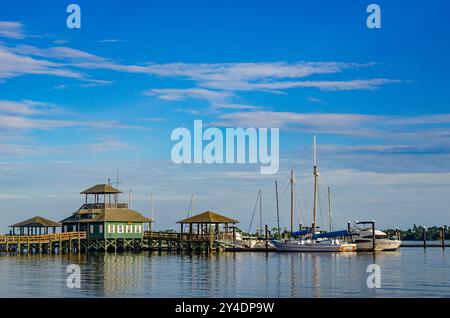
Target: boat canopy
x: 332, y: 234
x: 299, y: 233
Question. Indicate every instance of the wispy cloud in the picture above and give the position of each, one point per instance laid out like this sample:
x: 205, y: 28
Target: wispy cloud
x: 183, y: 94
x: 34, y: 115
x: 13, y: 65
x: 312, y: 99
x: 363, y: 125
x: 213, y: 82
x: 11, y: 29
x: 107, y: 144
x: 110, y: 41
x: 26, y: 107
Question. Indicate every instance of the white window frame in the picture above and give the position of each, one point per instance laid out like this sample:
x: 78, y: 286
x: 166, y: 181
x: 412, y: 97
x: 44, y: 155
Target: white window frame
x: 91, y: 228
x: 138, y: 228
x: 100, y: 228
x: 111, y: 228
x: 120, y: 228
x: 74, y: 228
x: 128, y: 228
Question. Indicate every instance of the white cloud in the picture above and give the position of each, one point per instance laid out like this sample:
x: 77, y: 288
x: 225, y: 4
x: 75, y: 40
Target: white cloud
x: 26, y: 107
x: 363, y: 125
x: 335, y: 123
x: 110, y: 41
x: 13, y: 65
x: 107, y: 144
x: 11, y: 29
x: 183, y: 94
x: 312, y: 99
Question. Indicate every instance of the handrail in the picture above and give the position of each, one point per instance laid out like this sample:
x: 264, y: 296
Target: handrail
x: 41, y: 238
x: 186, y: 236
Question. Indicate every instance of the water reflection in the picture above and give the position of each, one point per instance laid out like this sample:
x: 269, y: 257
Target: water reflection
x: 409, y: 272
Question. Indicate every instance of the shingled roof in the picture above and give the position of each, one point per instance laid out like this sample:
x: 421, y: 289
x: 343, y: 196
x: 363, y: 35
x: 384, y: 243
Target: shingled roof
x: 120, y: 215
x: 101, y: 189
x: 111, y: 215
x: 37, y: 221
x: 208, y: 217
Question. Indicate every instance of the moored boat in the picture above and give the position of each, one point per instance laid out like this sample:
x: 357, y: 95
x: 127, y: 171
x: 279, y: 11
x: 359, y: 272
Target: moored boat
x: 313, y: 246
x: 313, y: 241
x: 364, y: 240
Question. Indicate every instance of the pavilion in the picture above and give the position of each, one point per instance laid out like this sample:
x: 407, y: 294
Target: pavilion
x: 208, y: 223
x: 35, y: 226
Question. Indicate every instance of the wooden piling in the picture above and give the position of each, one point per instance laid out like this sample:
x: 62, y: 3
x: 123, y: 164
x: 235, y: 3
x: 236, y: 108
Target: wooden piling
x: 266, y: 227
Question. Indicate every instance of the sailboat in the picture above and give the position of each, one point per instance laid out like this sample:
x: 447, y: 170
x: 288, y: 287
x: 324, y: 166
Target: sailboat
x: 312, y: 241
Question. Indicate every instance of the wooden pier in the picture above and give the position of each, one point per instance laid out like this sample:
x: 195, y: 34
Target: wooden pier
x: 70, y: 242
x: 77, y: 242
x: 185, y: 241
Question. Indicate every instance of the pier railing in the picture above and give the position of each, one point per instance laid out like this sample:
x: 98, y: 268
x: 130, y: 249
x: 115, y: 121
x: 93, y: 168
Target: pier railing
x: 186, y: 237
x: 37, y: 239
x: 95, y: 206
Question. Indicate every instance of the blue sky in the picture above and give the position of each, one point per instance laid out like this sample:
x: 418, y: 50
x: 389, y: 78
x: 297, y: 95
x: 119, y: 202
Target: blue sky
x: 74, y: 104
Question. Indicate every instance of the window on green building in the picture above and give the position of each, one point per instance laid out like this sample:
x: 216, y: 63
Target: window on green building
x: 137, y: 228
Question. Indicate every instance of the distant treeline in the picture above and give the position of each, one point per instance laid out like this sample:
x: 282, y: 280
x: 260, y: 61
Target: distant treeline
x: 416, y: 233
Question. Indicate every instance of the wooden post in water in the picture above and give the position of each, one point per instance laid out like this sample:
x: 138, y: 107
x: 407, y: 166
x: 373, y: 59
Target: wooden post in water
x: 190, y: 237
x: 424, y: 237
x: 443, y: 237
x: 79, y: 243
x: 211, y: 238
x: 267, y: 236
x: 234, y: 234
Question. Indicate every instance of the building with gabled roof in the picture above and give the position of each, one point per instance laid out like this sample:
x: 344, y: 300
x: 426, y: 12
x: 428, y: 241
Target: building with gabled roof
x: 103, y: 217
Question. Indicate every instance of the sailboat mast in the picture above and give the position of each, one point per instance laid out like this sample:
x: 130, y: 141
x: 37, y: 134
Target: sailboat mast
x: 191, y: 205
x: 292, y: 201
x: 260, y: 212
x: 329, y: 208
x: 316, y: 175
x: 278, y: 208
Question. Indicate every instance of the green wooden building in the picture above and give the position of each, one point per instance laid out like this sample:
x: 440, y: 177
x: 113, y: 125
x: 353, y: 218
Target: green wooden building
x: 107, y: 222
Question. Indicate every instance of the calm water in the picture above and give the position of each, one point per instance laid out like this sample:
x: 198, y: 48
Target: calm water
x: 410, y: 272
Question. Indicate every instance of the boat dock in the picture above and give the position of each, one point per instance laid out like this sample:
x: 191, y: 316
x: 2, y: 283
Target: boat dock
x: 47, y: 243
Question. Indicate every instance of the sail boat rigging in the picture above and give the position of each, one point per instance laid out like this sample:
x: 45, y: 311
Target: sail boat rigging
x: 312, y: 241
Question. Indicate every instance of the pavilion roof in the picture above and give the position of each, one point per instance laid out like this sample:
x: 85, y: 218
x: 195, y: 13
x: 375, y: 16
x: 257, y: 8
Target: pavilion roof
x: 37, y: 221
x: 101, y: 189
x: 208, y: 217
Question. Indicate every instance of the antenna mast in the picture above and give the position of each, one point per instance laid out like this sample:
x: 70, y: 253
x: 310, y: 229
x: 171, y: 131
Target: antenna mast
x: 152, y: 212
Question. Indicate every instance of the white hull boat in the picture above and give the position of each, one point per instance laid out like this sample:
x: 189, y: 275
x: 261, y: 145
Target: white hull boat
x: 313, y: 246
x: 363, y: 240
